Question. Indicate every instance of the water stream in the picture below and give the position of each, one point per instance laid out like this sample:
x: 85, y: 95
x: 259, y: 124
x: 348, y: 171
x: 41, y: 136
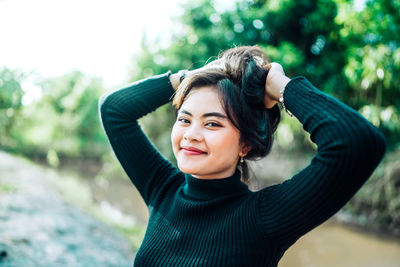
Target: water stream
x: 333, y: 244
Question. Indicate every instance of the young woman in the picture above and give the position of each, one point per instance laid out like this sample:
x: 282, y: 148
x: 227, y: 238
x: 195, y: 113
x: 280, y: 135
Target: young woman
x: 202, y: 212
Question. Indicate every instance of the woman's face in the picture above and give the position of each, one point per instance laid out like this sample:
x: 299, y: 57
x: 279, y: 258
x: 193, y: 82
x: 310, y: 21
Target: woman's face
x: 205, y: 142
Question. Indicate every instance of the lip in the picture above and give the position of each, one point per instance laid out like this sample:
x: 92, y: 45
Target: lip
x: 188, y: 150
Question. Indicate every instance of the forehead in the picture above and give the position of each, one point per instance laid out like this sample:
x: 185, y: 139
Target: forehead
x: 203, y: 99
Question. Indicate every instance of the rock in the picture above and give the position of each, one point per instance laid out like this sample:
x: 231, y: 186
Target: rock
x: 37, y: 228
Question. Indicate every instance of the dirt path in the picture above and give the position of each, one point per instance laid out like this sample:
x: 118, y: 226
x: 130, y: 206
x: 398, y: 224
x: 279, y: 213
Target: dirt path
x: 38, y: 228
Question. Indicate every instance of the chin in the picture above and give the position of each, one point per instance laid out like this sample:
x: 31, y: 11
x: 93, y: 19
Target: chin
x: 190, y: 165
x: 190, y: 169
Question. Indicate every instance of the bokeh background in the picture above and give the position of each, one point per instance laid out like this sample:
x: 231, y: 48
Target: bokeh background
x: 58, y: 57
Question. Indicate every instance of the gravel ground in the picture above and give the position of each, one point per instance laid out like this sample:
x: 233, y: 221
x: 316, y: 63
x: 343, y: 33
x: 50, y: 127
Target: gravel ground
x: 38, y: 228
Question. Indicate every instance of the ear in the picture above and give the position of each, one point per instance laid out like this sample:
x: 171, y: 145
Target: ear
x: 245, y: 148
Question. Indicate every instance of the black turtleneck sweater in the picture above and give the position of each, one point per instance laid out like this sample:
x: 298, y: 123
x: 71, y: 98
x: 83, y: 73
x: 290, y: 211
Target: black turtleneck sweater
x: 195, y: 222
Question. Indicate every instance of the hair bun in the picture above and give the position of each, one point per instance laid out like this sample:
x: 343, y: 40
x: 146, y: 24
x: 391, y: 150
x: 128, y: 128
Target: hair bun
x: 253, y: 82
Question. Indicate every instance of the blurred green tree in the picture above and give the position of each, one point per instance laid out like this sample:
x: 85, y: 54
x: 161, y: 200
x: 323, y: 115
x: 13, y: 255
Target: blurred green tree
x: 68, y: 110
x: 351, y: 54
x: 62, y: 123
x: 372, y: 70
x: 11, y: 94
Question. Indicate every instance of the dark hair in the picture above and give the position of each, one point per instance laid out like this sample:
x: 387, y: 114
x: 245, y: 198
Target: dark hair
x: 240, y: 84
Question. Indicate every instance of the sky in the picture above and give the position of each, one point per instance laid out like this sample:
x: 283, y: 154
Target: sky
x: 52, y: 37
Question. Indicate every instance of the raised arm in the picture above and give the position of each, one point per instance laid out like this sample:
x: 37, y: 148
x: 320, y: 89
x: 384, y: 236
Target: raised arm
x: 119, y: 111
x: 349, y: 149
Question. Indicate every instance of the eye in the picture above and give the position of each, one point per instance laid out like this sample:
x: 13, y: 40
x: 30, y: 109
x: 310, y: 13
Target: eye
x: 213, y: 124
x: 183, y: 120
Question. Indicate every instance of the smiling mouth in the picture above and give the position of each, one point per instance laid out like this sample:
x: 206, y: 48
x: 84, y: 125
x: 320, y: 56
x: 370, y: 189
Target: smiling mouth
x: 192, y: 151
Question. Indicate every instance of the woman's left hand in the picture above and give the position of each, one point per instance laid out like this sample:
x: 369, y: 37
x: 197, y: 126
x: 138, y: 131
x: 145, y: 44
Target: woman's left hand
x: 274, y: 84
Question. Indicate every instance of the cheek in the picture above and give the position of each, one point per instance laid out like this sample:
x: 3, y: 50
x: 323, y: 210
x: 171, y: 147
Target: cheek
x: 175, y: 137
x: 226, y: 143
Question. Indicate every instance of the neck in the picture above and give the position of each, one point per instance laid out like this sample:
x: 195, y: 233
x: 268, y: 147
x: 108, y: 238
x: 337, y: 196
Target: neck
x: 215, y: 176
x: 212, y: 188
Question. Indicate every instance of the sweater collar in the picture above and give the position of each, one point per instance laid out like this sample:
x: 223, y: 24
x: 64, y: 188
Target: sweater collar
x: 208, y: 189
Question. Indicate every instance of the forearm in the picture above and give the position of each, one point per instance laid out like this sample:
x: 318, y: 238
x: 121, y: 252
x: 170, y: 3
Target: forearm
x: 327, y: 119
x: 137, y: 99
x: 345, y: 139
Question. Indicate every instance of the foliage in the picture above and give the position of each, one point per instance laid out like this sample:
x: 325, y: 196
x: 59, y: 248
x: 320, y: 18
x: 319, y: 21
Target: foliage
x: 351, y: 54
x: 72, y: 100
x: 64, y: 122
x: 372, y: 38
x: 11, y: 94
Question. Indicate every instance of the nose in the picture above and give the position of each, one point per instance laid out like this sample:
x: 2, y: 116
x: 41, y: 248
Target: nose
x: 193, y: 133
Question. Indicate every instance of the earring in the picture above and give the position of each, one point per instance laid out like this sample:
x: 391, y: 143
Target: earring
x: 241, y: 160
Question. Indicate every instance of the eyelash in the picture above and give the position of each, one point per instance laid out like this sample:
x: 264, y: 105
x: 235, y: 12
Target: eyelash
x: 211, y: 124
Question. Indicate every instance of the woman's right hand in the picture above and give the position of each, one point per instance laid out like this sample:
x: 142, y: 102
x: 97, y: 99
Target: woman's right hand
x: 274, y: 84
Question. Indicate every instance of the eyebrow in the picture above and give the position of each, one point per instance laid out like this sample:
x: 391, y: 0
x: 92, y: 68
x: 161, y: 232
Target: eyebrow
x: 209, y: 114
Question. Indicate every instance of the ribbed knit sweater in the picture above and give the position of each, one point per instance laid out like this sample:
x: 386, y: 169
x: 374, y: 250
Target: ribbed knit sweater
x: 220, y: 222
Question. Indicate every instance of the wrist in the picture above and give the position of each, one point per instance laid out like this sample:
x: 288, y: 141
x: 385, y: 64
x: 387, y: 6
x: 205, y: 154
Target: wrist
x: 276, y: 83
x: 282, y: 100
